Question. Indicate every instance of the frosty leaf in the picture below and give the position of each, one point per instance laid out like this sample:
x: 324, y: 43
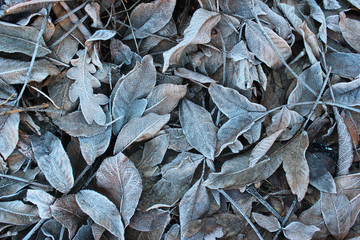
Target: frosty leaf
x: 198, y: 32
x: 270, y: 223
x: 42, y: 200
x: 150, y: 220
x: 206, y: 228
x: 194, y: 76
x: 311, y: 43
x: 345, y: 64
x: 177, y: 140
x: 346, y: 92
x: 262, y: 147
x: 21, y: 39
x: 101, y: 210
x: 9, y: 187
x: 173, y: 233
x: 139, y: 129
x: 198, y: 128
x: 82, y: 89
x: 298, y: 230
x: 350, y: 29
x: 164, y: 98
x: 335, y: 209
x: 75, y: 125
x: 153, y: 154
x: 67, y: 212
x: 17, y: 213
x: 83, y: 233
x: 236, y: 173
x: 289, y: 13
x: 258, y: 44
x: 345, y: 146
x: 101, y: 35
x: 9, y: 133
x: 95, y: 146
x: 148, y: 18
x: 14, y: 71
x: 120, y: 179
x: 295, y: 164
x: 194, y: 204
x: 317, y: 14
x: 313, y: 216
x: 93, y: 9
x: 126, y: 94
x: 320, y: 177
x: 240, y: 111
x: 52, y: 229
x: 313, y: 77
x: 53, y: 161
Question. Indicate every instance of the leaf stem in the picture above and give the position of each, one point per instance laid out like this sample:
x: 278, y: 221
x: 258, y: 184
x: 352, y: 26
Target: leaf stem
x: 34, y: 229
x: 241, y: 212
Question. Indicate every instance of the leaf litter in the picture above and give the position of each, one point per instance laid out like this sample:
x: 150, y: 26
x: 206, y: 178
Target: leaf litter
x: 165, y: 119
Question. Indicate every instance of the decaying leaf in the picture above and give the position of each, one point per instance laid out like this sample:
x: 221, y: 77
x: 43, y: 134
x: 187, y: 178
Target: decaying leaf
x: 82, y: 89
x: 350, y: 30
x: 198, y: 128
x: 120, y: 179
x: 9, y: 187
x: 346, y: 92
x: 101, y: 210
x: 198, y: 32
x: 150, y: 220
x: 139, y: 129
x: 42, y: 200
x: 53, y: 161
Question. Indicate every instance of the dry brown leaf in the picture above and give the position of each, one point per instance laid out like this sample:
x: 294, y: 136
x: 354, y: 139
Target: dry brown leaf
x: 270, y: 223
x: 295, y: 164
x: 350, y: 29
x: 150, y: 220
x: 298, y: 230
x: 9, y: 133
x: 93, y: 9
x: 18, y: 213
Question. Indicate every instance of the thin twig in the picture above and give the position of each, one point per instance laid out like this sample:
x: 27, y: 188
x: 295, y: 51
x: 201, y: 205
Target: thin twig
x: 132, y: 30
x: 255, y: 193
x: 40, y: 108
x: 28, y: 74
x: 283, y: 223
x: 241, y: 212
x: 46, y: 96
x: 71, y: 12
x: 278, y: 53
x: 34, y: 229
x: 224, y: 57
x: 25, y: 181
x: 317, y: 100
x: 77, y: 24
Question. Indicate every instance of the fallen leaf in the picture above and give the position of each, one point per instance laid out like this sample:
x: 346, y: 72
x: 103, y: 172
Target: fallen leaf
x: 100, y: 35
x: 150, y: 220
x: 335, y: 209
x: 350, y: 30
x: 121, y: 180
x: 177, y: 140
x: 82, y: 89
x: 9, y: 137
x: 14, y: 71
x: 101, y: 210
x: 148, y: 18
x: 270, y: 223
x: 198, y: 32
x: 21, y: 39
x: 18, y: 213
x: 93, y: 9
x: 53, y: 161
x: 126, y: 95
x: 67, y: 212
x: 9, y: 187
x: 298, y: 230
x: 139, y: 129
x: 258, y: 44
x: 42, y: 200
x: 295, y: 164
x: 164, y: 98
x: 194, y: 76
x: 198, y: 128
x: 346, y: 93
